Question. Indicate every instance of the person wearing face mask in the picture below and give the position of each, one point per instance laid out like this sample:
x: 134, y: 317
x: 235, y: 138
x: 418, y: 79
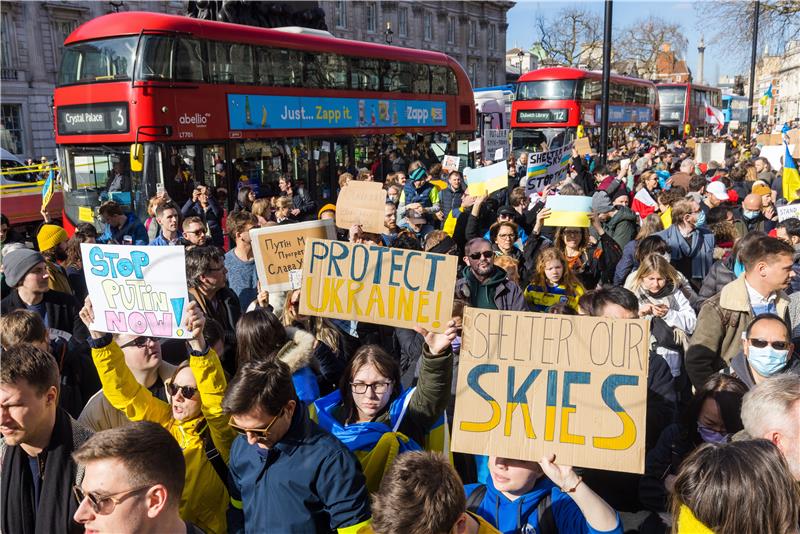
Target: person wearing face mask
x: 52, y: 242
x: 193, y: 414
x: 767, y: 350
x: 691, y: 247
x: 755, y: 216
x: 712, y: 416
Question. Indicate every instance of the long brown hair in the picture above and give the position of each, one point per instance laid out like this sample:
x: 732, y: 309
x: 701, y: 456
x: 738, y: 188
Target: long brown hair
x: 568, y: 279
x: 259, y: 335
x: 743, y: 487
x: 559, y: 239
x: 384, y: 364
x: 323, y: 330
x: 650, y: 225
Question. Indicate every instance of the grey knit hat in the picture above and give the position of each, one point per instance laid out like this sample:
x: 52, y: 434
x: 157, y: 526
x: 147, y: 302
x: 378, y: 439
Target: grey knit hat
x: 17, y: 263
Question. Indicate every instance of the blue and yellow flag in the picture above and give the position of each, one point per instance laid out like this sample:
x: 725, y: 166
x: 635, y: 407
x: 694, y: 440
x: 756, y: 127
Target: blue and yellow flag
x: 486, y: 180
x: 791, y: 177
x: 766, y: 96
x: 48, y: 188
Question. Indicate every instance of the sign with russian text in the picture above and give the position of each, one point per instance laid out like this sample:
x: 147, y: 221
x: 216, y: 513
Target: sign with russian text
x: 545, y: 168
x: 137, y: 290
x: 278, y: 250
x: 533, y: 384
x: 266, y: 112
x: 362, y: 203
x: 375, y: 284
x: 494, y: 140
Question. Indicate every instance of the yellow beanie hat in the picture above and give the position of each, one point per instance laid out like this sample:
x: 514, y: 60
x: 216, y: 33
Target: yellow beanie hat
x: 50, y: 236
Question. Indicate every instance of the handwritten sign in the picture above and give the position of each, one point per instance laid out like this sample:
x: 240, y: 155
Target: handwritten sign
x: 362, y: 203
x: 137, y: 290
x: 493, y: 140
x: 545, y: 168
x: 705, y: 152
x: 583, y: 147
x: 486, y: 180
x: 531, y: 384
x: 376, y: 284
x: 278, y: 250
x: 769, y: 139
x: 450, y: 164
x: 790, y: 211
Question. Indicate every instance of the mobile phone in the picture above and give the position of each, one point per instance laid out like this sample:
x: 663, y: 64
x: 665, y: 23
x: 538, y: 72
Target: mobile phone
x: 159, y: 189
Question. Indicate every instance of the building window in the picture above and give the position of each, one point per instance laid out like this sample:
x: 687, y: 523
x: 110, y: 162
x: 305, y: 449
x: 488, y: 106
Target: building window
x: 492, y: 75
x: 372, y: 17
x: 8, y: 56
x: 11, y: 128
x: 341, y: 14
x: 473, y: 73
x: 61, y: 30
x: 492, y: 38
x: 428, y: 25
x: 451, y: 30
x: 473, y: 33
x: 402, y: 22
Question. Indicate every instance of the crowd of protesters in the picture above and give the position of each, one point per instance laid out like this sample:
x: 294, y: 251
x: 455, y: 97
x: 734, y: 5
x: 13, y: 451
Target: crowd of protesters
x: 271, y: 421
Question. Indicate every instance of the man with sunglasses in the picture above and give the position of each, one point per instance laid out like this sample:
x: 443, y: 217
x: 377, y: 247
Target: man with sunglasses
x: 194, y: 232
x: 767, y: 350
x: 134, y: 477
x: 484, y: 285
x: 38, y: 438
x: 280, y: 443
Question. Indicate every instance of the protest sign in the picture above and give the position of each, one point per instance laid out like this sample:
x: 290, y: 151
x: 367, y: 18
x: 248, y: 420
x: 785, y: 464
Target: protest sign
x: 498, y: 154
x: 362, y: 203
x: 374, y: 284
x: 450, y: 164
x: 705, y: 152
x: 474, y: 146
x: 545, y: 168
x: 137, y: 290
x: 486, y: 180
x: 691, y: 143
x: 534, y: 384
x: 775, y: 154
x: 583, y: 147
x: 494, y: 140
x: 769, y: 139
x: 463, y: 147
x: 794, y: 141
x: 278, y: 250
x: 568, y: 210
x: 789, y: 211
x: 733, y: 125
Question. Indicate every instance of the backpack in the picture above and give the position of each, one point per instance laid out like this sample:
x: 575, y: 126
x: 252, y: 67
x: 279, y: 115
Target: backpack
x: 544, y: 510
x: 214, y: 457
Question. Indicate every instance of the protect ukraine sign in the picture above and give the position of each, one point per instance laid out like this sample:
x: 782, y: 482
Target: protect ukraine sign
x: 531, y: 384
x: 265, y: 112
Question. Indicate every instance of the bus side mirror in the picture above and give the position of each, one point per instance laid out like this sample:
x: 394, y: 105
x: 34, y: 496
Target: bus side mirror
x: 137, y: 157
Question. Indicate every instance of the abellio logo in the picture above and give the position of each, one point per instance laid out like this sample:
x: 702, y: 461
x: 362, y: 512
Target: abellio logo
x: 198, y: 119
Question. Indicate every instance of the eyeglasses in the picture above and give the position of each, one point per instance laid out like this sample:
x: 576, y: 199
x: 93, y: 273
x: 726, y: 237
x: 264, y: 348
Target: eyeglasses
x: 139, y: 342
x: 761, y: 343
x: 104, y: 504
x: 379, y: 388
x: 506, y: 236
x: 260, y: 433
x: 188, y: 392
x: 195, y: 232
x: 486, y: 254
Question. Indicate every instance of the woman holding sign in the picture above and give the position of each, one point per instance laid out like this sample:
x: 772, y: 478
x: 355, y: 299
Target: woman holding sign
x: 193, y: 416
x: 376, y: 419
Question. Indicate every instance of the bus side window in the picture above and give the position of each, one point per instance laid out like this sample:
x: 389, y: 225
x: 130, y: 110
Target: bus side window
x: 189, y: 64
x: 155, y: 62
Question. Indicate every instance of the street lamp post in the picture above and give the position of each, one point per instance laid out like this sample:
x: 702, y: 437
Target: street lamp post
x: 750, y: 103
x: 387, y: 35
x: 606, y: 81
x: 520, y: 55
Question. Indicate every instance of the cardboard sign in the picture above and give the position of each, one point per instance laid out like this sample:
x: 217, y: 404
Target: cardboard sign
x: 568, y: 210
x: 486, y: 180
x: 137, y: 290
x: 769, y: 139
x: 362, y: 203
x: 790, y: 211
x: 583, y: 147
x: 494, y: 140
x: 532, y: 384
x: 794, y: 141
x: 549, y: 167
x: 705, y: 152
x: 691, y: 143
x: 389, y: 286
x: 278, y: 250
x: 450, y: 164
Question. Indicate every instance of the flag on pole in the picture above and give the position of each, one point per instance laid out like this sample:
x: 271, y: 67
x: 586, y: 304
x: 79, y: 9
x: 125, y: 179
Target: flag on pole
x: 48, y: 188
x: 766, y: 96
x: 714, y: 117
x: 791, y: 177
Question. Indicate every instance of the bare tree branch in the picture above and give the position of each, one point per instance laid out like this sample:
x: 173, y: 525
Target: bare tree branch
x: 640, y: 42
x: 569, y: 36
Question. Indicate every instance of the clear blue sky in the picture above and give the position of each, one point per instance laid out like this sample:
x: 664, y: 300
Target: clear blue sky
x: 521, y: 24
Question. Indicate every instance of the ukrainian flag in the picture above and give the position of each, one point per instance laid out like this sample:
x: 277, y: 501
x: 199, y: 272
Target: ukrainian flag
x: 767, y: 95
x: 537, y: 170
x: 376, y: 445
x: 486, y: 180
x: 568, y: 210
x: 48, y: 188
x: 791, y: 177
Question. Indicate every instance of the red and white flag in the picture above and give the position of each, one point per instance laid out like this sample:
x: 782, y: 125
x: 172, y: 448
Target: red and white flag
x: 714, y: 117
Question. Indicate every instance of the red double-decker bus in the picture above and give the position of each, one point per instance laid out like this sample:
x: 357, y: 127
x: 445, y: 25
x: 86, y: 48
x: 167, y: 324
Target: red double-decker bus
x: 552, y: 102
x: 224, y: 104
x: 684, y: 104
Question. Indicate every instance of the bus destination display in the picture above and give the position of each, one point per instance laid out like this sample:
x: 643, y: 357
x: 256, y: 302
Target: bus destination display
x: 542, y: 115
x: 93, y: 119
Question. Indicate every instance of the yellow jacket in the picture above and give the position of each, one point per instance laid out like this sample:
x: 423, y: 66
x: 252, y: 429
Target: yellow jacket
x: 205, y: 498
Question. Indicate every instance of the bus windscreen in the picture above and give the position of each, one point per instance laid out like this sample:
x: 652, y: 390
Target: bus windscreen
x: 546, y: 90
x: 98, y: 61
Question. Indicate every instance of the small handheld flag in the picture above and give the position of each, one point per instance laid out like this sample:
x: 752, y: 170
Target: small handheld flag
x: 48, y: 188
x: 766, y: 96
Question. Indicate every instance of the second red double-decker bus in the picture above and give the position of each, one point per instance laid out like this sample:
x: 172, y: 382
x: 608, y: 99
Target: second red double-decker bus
x: 683, y: 107
x: 225, y: 104
x: 551, y: 103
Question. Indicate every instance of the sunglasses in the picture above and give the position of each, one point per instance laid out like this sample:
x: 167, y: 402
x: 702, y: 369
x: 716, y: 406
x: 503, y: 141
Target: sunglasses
x: 260, y: 433
x: 486, y: 254
x: 139, y: 342
x: 761, y: 343
x: 104, y: 505
x: 188, y: 392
